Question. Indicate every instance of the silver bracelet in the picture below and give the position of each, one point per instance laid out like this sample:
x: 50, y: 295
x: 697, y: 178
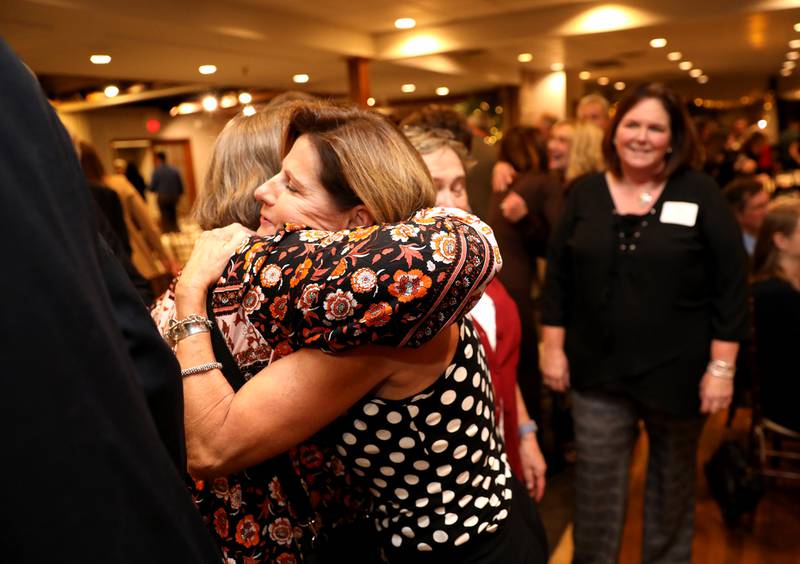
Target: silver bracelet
x: 200, y: 369
x: 191, y: 325
x: 721, y: 369
x: 529, y: 427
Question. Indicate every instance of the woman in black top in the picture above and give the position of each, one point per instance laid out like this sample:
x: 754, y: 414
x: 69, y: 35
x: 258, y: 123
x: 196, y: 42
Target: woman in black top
x: 776, y: 304
x: 644, y: 305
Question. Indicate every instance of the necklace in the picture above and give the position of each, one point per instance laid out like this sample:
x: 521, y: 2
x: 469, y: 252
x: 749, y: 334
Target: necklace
x: 645, y: 198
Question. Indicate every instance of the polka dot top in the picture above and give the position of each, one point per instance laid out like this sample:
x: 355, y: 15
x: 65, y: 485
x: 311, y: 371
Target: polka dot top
x: 434, y: 462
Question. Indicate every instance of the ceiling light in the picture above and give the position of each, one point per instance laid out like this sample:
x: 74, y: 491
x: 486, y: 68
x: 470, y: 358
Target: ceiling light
x: 685, y: 65
x: 301, y: 78
x: 786, y: 72
x: 584, y: 75
x: 174, y: 111
x: 789, y: 64
x: 602, y: 81
x: 370, y: 101
x: 675, y: 56
x: 207, y: 69
x: 694, y: 73
x: 405, y: 23
x: 797, y: 27
x: 762, y: 124
x: 245, y: 97
x: 619, y: 85
x: 702, y: 79
x: 794, y: 44
x: 525, y: 57
x: 228, y: 101
x: 111, y: 91
x: 442, y: 91
x: 408, y: 88
x: 793, y: 55
x: 557, y: 67
x: 658, y: 43
x: 188, y: 108
x: 210, y: 103
x: 100, y: 59
x: 249, y: 110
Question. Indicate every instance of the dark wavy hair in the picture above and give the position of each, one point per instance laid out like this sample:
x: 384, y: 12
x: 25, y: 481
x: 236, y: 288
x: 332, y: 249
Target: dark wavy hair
x: 685, y: 153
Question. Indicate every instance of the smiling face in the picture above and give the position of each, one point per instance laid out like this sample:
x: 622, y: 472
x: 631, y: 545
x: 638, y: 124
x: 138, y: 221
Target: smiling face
x: 296, y: 194
x: 558, y: 144
x: 643, y: 136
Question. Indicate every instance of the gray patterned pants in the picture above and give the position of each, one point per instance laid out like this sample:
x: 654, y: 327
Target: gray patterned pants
x: 606, y: 428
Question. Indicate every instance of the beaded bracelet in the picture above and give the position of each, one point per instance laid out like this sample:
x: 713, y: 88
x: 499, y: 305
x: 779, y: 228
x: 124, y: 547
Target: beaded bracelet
x: 529, y: 427
x: 201, y: 368
x: 721, y: 369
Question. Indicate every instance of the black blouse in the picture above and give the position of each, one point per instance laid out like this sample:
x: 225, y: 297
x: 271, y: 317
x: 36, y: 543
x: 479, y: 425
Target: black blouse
x: 641, y: 297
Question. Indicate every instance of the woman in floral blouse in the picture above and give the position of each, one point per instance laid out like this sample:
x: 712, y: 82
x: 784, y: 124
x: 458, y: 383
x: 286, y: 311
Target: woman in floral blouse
x: 311, y: 291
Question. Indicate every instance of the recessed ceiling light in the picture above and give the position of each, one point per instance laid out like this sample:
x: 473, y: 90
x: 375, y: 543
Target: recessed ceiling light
x: 249, y: 110
x: 210, y: 103
x: 111, y: 91
x: 786, y: 72
x: 370, y: 101
x: 794, y: 44
x: 789, y: 64
x: 100, y: 59
x: 702, y: 79
x: 602, y: 81
x: 619, y: 85
x: 405, y: 23
x: 694, y: 73
x: 797, y: 27
x: 301, y: 78
x: 408, y: 88
x: 584, y: 75
x: 245, y: 97
x: 685, y: 65
x: 793, y: 55
x: 442, y: 91
x: 675, y: 56
x: 557, y: 67
x: 658, y: 42
x: 762, y: 124
x: 207, y: 69
x: 525, y: 57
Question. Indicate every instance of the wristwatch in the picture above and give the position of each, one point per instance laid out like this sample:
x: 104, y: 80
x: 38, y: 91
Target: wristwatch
x: 191, y: 325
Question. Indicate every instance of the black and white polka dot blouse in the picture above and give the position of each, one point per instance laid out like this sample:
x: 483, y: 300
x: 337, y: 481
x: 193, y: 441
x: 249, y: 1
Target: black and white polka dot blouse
x: 433, y: 462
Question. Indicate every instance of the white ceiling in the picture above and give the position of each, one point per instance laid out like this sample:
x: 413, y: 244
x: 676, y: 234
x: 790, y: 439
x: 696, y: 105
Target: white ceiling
x: 463, y: 44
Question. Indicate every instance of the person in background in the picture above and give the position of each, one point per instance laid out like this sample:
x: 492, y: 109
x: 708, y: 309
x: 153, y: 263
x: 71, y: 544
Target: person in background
x: 789, y: 146
x: 495, y: 314
x: 593, y: 108
x: 754, y: 157
x: 644, y: 306
x: 748, y: 201
x: 737, y: 133
x: 131, y: 172
x: 776, y: 312
x: 167, y: 184
x: 585, y: 154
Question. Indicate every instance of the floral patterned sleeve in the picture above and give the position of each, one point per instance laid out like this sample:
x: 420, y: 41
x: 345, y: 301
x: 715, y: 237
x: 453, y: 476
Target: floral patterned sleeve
x: 393, y: 285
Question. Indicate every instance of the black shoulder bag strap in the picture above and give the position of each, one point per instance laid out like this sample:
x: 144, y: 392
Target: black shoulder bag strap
x: 281, y: 464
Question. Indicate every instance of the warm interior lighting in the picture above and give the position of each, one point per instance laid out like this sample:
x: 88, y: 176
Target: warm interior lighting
x: 658, y: 42
x: 301, y: 78
x: 405, y: 23
x: 789, y: 64
x: 793, y: 55
x: 702, y: 79
x: 100, y: 59
x: 188, y: 108
x: 525, y: 57
x: 602, y: 81
x: 794, y: 44
x: 442, y: 91
x: 249, y: 110
x: 797, y: 27
x: 210, y: 103
x: 584, y: 75
x: 228, y: 101
x: 786, y: 72
x: 694, y: 73
x: 420, y: 45
x: 619, y: 85
x: 207, y: 69
x: 370, y: 101
x: 111, y: 91
x: 408, y: 88
x: 762, y: 124
x: 245, y: 97
x: 557, y: 67
x: 605, y: 18
x: 685, y: 65
x: 675, y: 56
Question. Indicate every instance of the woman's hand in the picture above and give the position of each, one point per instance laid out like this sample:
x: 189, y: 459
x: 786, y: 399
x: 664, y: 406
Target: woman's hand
x: 555, y: 368
x: 211, y: 253
x: 534, y: 467
x: 503, y: 175
x: 715, y: 393
x: 513, y: 207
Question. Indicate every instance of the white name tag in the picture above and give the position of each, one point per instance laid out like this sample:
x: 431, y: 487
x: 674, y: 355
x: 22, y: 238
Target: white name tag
x: 679, y: 213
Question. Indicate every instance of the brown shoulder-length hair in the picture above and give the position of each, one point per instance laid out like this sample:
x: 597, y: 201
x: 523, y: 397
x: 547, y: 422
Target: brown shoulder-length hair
x: 365, y: 159
x: 685, y: 149
x: 92, y: 166
x: 522, y: 147
x: 782, y: 217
